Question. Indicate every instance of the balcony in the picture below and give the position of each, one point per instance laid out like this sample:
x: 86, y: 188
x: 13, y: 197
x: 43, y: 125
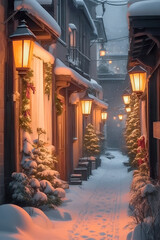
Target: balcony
x: 78, y: 61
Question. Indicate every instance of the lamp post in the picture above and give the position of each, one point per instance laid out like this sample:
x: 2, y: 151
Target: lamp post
x: 23, y: 42
x: 86, y: 104
x: 138, y: 77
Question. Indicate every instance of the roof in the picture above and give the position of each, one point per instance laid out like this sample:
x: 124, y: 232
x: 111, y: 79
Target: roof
x: 81, y: 5
x: 145, y: 8
x: 98, y: 102
x: 62, y: 69
x: 37, y: 11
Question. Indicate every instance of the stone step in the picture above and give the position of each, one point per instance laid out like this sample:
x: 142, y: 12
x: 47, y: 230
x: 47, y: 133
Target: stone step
x: 83, y: 171
x: 75, y: 181
x: 76, y: 175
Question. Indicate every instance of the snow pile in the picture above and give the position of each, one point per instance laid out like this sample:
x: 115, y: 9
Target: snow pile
x: 21, y: 224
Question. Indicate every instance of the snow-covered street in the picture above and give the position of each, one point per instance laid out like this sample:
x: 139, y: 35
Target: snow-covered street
x: 97, y: 210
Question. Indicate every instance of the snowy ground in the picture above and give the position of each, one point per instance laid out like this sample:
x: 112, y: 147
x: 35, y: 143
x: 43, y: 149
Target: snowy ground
x: 97, y: 210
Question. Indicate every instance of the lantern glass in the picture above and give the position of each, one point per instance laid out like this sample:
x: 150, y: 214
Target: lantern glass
x: 128, y: 109
x: 120, y: 116
x: 138, y: 78
x: 23, y: 51
x: 86, y: 106
x: 102, y: 52
x: 126, y: 99
x: 104, y: 115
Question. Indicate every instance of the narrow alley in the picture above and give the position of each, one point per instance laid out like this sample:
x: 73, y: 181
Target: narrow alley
x: 97, y: 210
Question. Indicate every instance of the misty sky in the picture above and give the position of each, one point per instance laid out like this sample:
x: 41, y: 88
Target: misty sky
x: 116, y: 26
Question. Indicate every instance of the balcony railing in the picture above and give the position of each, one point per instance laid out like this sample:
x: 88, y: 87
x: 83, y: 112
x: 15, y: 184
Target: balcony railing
x: 78, y: 60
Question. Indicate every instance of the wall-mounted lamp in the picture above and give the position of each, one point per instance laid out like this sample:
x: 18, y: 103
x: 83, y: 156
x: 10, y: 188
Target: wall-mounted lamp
x: 23, y: 41
x: 138, y: 76
x: 86, y: 103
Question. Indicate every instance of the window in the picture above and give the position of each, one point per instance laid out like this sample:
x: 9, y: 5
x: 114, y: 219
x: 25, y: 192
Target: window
x: 61, y: 17
x: 72, y: 35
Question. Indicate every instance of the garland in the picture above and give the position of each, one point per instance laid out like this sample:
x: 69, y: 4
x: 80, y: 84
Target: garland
x: 59, y: 105
x: 48, y: 79
x: 25, y: 115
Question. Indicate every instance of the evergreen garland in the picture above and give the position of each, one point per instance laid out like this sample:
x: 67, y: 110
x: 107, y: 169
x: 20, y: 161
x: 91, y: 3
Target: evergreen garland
x: 91, y: 143
x: 132, y: 130
x: 25, y: 115
x: 59, y: 105
x: 48, y: 78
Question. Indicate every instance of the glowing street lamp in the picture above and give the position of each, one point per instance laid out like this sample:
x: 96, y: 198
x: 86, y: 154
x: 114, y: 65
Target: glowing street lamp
x: 104, y: 115
x: 128, y: 109
x: 86, y: 103
x: 102, y: 51
x: 138, y: 76
x: 23, y: 41
x: 120, y: 116
x: 126, y: 98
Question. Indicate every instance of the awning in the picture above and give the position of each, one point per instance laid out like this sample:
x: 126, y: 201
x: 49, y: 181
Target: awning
x: 145, y: 8
x: 62, y: 69
x: 40, y: 52
x: 99, y: 102
x: 33, y: 8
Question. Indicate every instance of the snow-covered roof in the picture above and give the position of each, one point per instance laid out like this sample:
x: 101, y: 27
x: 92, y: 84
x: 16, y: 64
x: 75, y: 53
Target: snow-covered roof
x: 62, y: 69
x: 36, y: 10
x: 81, y: 4
x: 134, y: 1
x: 45, y: 1
x: 99, y: 102
x: 40, y: 52
x: 72, y: 26
x: 145, y: 8
x: 96, y: 85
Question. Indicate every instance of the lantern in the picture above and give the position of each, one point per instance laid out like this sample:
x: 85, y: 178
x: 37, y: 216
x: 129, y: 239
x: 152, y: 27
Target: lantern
x: 114, y: 118
x: 128, y: 109
x: 104, y: 115
x: 102, y: 51
x: 138, y: 77
x: 86, y: 103
x: 23, y: 42
x: 120, y: 116
x: 126, y: 98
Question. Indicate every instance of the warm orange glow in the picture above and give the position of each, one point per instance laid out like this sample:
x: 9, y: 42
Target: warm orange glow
x: 104, y: 115
x: 126, y: 99
x: 102, y: 52
x: 23, y: 50
x: 114, y: 118
x: 138, y: 79
x: 110, y: 61
x: 86, y: 106
x: 120, y: 116
x: 128, y: 109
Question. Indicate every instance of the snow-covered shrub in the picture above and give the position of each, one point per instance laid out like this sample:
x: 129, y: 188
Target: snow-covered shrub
x: 36, y: 184
x: 145, y: 205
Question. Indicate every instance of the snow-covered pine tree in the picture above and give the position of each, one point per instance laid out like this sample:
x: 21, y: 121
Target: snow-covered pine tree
x: 38, y: 183
x: 91, y: 145
x: 132, y: 130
